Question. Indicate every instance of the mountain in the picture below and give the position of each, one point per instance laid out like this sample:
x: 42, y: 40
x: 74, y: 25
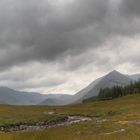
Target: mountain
x: 135, y: 77
x: 78, y: 97
x: 112, y: 79
x: 13, y: 97
x: 56, y: 99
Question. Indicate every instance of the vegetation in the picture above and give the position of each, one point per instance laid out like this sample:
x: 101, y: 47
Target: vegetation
x: 113, y: 117
x: 85, y: 131
x: 119, y: 91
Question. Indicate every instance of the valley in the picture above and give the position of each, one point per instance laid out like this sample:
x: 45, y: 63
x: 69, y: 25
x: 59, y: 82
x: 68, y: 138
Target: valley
x: 112, y: 120
x: 92, y: 114
x: 70, y: 70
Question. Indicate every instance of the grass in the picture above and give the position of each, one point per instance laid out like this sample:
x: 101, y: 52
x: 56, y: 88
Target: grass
x: 121, y: 109
x: 83, y: 131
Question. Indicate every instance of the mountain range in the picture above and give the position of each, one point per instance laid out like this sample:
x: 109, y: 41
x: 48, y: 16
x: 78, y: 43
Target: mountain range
x: 14, y: 97
x: 56, y: 99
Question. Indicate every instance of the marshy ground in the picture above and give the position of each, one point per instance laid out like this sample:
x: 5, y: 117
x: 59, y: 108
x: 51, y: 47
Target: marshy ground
x: 117, y: 119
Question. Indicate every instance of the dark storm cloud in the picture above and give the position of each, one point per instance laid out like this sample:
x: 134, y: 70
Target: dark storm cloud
x: 33, y: 30
x: 131, y: 8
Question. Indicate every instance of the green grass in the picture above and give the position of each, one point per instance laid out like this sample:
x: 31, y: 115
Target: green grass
x: 121, y: 109
x: 83, y: 131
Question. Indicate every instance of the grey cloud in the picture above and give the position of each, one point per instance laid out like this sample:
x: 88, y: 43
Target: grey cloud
x: 21, y: 79
x: 71, y: 36
x: 34, y: 31
x: 130, y: 8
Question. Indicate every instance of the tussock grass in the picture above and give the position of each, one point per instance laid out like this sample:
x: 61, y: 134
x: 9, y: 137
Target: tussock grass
x: 121, y: 109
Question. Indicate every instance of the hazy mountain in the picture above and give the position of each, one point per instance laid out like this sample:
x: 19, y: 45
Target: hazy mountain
x: 10, y: 96
x: 59, y: 96
x: 49, y: 101
x: 13, y: 97
x: 135, y: 76
x: 109, y: 80
x: 56, y: 99
x: 78, y: 97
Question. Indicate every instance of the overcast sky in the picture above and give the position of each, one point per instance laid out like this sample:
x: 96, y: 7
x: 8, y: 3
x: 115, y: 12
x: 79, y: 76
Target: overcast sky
x: 60, y: 46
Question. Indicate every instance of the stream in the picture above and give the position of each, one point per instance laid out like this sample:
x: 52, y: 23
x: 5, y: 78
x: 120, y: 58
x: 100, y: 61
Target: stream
x: 42, y: 125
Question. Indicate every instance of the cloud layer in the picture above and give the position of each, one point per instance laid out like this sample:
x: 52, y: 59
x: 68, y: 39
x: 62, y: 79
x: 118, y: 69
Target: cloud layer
x: 66, y: 42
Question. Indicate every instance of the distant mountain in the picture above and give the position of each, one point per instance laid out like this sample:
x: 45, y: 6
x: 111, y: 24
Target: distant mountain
x: 13, y: 97
x: 56, y: 99
x: 50, y: 102
x: 109, y: 80
x: 135, y: 77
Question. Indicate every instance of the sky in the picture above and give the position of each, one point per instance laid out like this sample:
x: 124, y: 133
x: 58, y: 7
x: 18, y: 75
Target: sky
x: 60, y: 46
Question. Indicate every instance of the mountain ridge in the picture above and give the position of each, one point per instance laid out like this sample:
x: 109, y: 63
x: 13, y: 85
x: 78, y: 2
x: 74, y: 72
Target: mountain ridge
x: 14, y: 97
x: 111, y: 79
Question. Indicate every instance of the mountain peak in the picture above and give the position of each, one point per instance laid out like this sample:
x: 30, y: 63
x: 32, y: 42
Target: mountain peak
x: 113, y: 78
x: 114, y: 72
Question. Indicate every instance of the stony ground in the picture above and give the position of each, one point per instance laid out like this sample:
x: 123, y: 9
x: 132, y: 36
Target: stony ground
x: 42, y: 125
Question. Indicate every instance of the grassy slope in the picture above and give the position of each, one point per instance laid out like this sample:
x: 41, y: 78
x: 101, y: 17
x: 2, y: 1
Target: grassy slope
x: 121, y: 109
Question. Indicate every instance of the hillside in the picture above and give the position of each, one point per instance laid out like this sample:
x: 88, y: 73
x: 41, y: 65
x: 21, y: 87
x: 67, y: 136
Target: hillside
x: 112, y: 79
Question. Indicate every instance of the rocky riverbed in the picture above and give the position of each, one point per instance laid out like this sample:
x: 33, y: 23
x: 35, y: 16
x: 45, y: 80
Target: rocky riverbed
x: 36, y: 126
